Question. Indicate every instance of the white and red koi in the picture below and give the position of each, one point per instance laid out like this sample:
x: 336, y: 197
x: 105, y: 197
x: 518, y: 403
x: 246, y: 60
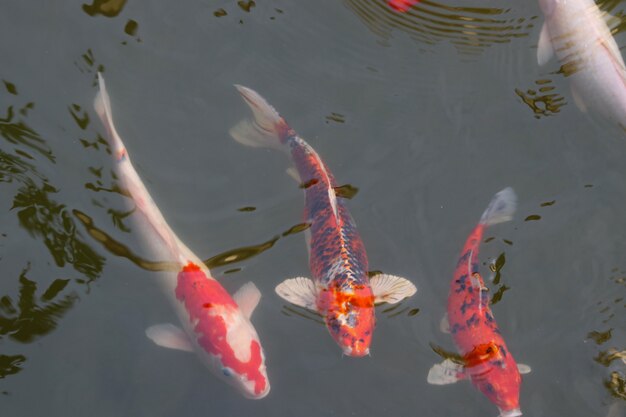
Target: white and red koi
x: 487, y: 362
x: 215, y: 325
x: 577, y: 32
x: 340, y: 290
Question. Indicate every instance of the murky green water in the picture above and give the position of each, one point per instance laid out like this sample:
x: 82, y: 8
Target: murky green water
x: 428, y: 114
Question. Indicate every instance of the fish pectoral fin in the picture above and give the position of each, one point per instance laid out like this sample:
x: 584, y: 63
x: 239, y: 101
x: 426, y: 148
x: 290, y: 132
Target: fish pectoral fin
x: 444, y: 324
x: 446, y: 372
x: 612, y: 22
x: 580, y: 103
x: 247, y: 298
x: 523, y: 368
x: 391, y: 289
x: 299, y: 291
x: 293, y: 173
x: 169, y: 336
x: 545, y: 50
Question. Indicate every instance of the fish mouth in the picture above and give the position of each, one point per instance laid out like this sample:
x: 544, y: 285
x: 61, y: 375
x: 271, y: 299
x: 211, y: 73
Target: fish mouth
x: 251, y: 395
x: 261, y: 395
x: 356, y: 353
x: 510, y: 413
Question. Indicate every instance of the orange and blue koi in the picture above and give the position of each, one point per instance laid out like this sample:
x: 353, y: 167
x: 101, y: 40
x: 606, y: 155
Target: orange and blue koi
x: 487, y: 362
x: 340, y: 290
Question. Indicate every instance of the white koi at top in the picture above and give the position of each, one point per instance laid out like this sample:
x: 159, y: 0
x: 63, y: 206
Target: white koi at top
x: 215, y: 325
x: 577, y: 32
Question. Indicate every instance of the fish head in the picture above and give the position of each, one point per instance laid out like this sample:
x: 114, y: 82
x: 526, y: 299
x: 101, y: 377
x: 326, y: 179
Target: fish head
x: 499, y: 380
x: 240, y: 361
x: 349, y: 316
x: 221, y: 332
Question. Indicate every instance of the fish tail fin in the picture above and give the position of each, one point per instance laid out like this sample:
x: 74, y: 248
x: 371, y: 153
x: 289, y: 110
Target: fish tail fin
x: 102, y: 104
x: 501, y: 208
x: 266, y: 129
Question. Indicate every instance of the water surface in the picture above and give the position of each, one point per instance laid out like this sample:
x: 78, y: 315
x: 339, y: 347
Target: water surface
x: 427, y: 113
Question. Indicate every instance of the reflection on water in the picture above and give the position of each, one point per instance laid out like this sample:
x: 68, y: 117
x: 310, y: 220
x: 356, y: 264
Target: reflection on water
x: 239, y: 254
x: 88, y: 65
x: 616, y: 384
x: 117, y: 248
x: 228, y: 257
x: 26, y: 317
x: 469, y: 29
x: 495, y: 267
x: 31, y: 317
x: 542, y: 100
x: 246, y: 5
x: 613, y: 357
x: 108, y: 8
x: 10, y: 364
x: 17, y: 132
x: 43, y: 217
x: 447, y: 354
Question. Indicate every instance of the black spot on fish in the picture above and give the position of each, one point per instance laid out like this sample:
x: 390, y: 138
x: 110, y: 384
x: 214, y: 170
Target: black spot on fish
x: 503, y: 350
x: 472, y: 321
x: 499, y: 364
x: 463, y: 259
x: 466, y: 304
x: 461, y: 279
x: 489, y: 317
x: 456, y: 328
x: 489, y: 387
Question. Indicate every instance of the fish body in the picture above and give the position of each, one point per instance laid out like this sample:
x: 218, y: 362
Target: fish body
x: 576, y: 31
x: 487, y: 362
x: 214, y: 325
x: 340, y: 289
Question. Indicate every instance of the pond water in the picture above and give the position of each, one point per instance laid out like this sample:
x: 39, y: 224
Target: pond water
x: 427, y: 113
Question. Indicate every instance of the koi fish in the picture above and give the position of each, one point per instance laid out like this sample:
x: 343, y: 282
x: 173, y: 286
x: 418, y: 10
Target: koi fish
x: 487, y: 362
x: 402, y: 6
x: 340, y: 290
x: 577, y: 31
x: 214, y: 325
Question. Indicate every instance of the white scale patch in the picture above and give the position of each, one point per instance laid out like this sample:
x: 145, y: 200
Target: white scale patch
x: 338, y: 267
x: 332, y: 197
x: 238, y: 336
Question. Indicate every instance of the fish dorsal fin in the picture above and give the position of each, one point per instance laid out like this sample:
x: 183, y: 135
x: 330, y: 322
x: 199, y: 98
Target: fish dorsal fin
x: 391, y: 289
x: 247, y: 298
x: 332, y: 197
x: 293, y: 173
x: 578, y: 100
x: 545, y: 50
x: 169, y: 336
x: 523, y: 368
x: 613, y: 49
x: 446, y: 372
x: 612, y: 22
x: 299, y: 291
x: 444, y: 324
